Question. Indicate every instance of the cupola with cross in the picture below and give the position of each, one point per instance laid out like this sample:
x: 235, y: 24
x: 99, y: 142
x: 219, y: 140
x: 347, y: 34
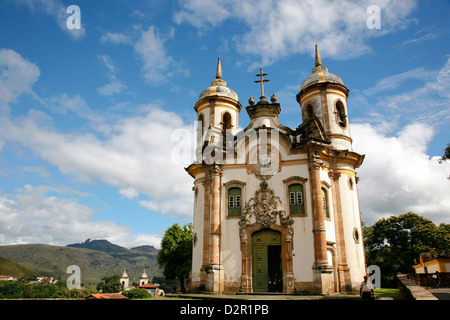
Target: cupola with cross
x: 263, y: 114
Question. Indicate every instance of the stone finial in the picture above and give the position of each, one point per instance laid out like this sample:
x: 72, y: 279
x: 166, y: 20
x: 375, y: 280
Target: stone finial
x: 273, y: 98
x: 318, y: 59
x: 251, y: 101
x: 219, y: 70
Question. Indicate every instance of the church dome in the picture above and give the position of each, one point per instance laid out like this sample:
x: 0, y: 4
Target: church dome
x: 218, y: 87
x: 320, y: 74
x: 218, y: 91
x: 144, y: 275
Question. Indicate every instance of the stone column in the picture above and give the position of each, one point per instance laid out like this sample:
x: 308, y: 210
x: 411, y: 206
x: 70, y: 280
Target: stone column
x: 215, y: 272
x: 343, y: 271
x: 320, y: 242
x: 323, y: 277
x: 206, y: 230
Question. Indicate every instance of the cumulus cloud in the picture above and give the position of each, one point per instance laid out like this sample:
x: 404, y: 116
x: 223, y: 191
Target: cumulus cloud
x: 278, y: 28
x: 398, y: 176
x: 17, y: 75
x: 31, y: 215
x: 137, y: 154
x: 133, y: 154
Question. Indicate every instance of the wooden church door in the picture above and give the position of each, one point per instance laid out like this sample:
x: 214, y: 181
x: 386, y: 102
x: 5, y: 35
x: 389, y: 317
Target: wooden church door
x: 267, y: 268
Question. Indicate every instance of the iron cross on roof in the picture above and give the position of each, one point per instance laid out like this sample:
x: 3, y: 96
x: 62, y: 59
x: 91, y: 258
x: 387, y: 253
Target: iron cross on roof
x: 262, y: 80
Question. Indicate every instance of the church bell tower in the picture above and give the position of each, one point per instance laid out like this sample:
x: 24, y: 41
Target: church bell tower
x: 218, y: 109
x: 324, y: 95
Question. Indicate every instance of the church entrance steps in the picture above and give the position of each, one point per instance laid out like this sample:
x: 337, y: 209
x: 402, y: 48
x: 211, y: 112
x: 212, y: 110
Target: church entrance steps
x: 264, y: 296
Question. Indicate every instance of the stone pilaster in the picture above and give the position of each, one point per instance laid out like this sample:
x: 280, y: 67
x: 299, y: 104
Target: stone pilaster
x: 206, y: 229
x: 322, y: 272
x: 343, y: 271
x: 215, y: 272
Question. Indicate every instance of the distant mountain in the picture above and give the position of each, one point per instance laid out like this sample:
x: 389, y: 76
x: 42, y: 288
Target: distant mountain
x: 99, y: 245
x: 108, y: 247
x: 96, y: 259
x: 10, y: 268
x: 151, y: 250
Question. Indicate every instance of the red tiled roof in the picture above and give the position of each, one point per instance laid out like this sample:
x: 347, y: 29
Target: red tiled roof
x: 148, y: 286
x: 113, y: 296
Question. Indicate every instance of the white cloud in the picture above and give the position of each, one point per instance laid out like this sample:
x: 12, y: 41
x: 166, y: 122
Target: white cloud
x: 279, y: 28
x: 158, y: 65
x: 150, y: 47
x: 129, y: 193
x: 427, y: 103
x: 64, y: 104
x: 33, y: 216
x: 116, y: 38
x: 137, y: 154
x: 199, y: 13
x: 398, y: 176
x: 150, y: 205
x: 394, y: 81
x: 17, y: 75
x: 58, y: 12
x: 134, y: 156
x: 115, y: 86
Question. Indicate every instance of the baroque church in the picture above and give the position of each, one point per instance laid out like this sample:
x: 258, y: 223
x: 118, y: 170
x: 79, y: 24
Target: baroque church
x: 276, y: 209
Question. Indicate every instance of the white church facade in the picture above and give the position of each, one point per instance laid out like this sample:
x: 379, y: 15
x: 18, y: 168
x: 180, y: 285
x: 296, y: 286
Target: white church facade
x: 276, y: 209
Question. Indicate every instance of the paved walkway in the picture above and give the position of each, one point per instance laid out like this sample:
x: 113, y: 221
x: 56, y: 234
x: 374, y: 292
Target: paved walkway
x: 441, y: 294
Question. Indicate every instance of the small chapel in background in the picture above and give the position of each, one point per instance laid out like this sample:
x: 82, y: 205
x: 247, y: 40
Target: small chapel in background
x: 276, y: 209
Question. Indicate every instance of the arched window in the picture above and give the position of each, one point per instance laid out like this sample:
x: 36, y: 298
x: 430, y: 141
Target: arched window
x: 326, y: 210
x: 226, y: 120
x: 309, y: 111
x: 201, y: 124
x: 296, y: 199
x: 234, y: 202
x: 341, y: 117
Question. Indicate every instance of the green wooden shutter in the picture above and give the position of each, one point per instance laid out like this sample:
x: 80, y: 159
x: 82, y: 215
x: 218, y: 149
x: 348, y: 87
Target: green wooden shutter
x: 234, y: 202
x: 296, y: 199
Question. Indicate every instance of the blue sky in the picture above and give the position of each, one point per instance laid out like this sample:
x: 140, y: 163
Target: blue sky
x: 89, y: 117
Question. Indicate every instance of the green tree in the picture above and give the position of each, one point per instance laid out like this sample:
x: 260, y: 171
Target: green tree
x: 110, y: 284
x: 175, y: 256
x: 137, y: 294
x: 446, y: 156
x: 11, y: 290
x: 395, y: 243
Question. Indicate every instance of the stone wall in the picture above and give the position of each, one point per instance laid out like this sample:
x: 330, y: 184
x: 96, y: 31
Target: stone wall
x: 412, y: 291
x: 426, y: 279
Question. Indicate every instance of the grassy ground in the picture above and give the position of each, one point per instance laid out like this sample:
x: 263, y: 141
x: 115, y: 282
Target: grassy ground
x: 388, y: 293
